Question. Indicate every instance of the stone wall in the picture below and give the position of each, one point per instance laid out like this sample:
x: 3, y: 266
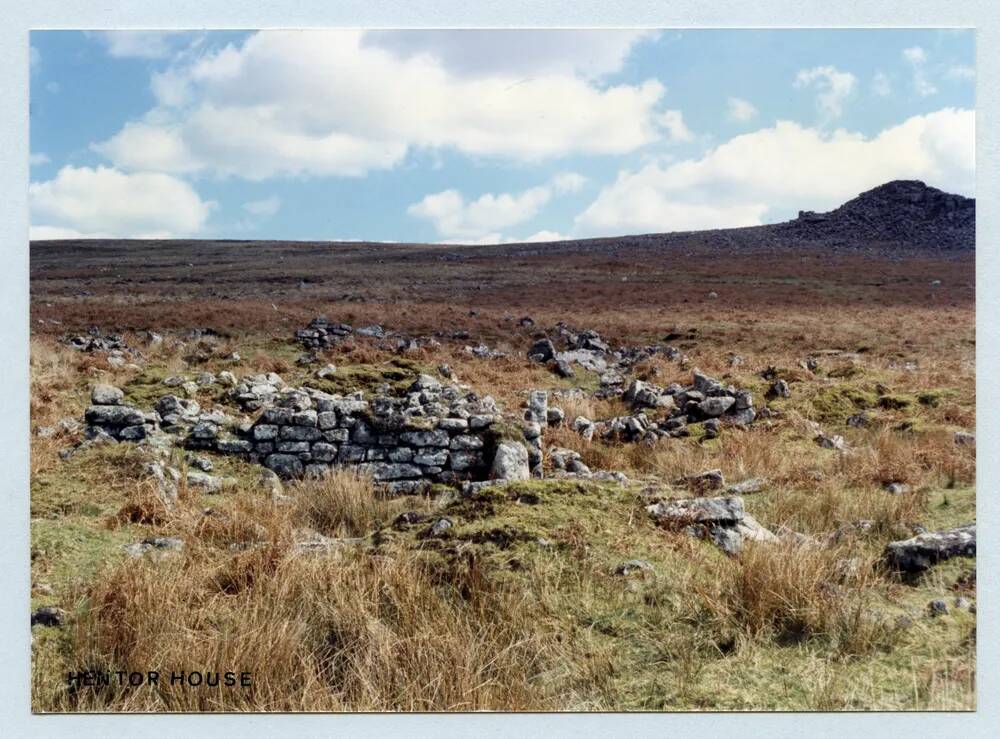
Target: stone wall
x: 434, y: 433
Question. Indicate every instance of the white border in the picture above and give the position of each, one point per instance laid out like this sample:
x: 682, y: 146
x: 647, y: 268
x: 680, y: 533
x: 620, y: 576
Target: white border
x: 20, y: 17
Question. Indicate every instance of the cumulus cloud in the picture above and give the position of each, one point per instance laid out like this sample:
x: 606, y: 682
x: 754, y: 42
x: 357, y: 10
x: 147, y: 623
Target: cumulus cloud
x: 740, y: 110
x: 140, y: 44
x: 111, y: 203
x: 787, y: 166
x: 917, y: 58
x: 328, y: 103
x: 527, y: 52
x: 833, y: 88
x: 673, y: 122
x: 265, y: 208
x: 38, y: 158
x: 455, y: 218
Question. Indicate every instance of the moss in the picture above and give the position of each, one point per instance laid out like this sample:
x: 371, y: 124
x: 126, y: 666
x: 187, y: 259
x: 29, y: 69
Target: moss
x: 93, y: 482
x: 144, y: 390
x: 398, y: 373
x: 895, y: 402
x: 933, y: 398
x: 844, y: 372
x: 70, y: 551
x: 835, y: 404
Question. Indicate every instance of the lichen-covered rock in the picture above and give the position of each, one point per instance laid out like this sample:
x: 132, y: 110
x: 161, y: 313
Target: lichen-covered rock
x: 510, y: 462
x: 106, y: 395
x: 924, y: 550
x: 684, y: 511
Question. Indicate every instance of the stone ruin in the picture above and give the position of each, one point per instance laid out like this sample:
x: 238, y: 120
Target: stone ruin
x: 433, y: 433
x: 706, y: 401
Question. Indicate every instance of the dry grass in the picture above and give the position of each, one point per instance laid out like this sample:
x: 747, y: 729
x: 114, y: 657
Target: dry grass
x: 342, y: 503
x: 791, y: 592
x: 353, y: 632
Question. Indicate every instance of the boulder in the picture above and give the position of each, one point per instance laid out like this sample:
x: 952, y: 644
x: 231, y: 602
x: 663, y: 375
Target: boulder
x: 106, y: 395
x: 510, y: 462
x: 924, y: 550
x: 715, y: 406
x: 725, y: 511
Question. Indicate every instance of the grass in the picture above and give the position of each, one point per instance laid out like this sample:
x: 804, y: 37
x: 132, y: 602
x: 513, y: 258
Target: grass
x: 517, y: 605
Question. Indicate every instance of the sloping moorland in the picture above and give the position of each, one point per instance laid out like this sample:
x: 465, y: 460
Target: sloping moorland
x: 339, y: 596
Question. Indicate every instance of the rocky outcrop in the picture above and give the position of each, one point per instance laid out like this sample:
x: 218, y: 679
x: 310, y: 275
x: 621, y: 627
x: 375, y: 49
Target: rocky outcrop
x: 901, y: 211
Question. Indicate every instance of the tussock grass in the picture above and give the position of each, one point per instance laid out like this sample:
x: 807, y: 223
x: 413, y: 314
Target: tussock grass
x: 318, y: 633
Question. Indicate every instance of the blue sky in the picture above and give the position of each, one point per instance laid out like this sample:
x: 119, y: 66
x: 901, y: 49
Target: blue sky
x: 484, y: 136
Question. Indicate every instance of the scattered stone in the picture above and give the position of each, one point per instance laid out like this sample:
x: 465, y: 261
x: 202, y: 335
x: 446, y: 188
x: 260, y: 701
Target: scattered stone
x: 327, y: 370
x: 563, y: 368
x: 937, y: 607
x: 964, y: 438
x: 157, y: 545
x: 48, y: 616
x: 779, y: 389
x: 632, y: 566
x: 924, y: 550
x: 859, y: 420
x: 897, y: 488
x: 202, y: 463
x: 829, y: 442
x: 746, y: 487
x: 704, y: 481
x: 542, y: 350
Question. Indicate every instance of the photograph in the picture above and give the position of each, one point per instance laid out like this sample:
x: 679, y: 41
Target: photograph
x: 548, y: 370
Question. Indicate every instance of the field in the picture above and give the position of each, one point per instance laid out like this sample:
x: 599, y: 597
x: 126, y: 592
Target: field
x: 517, y: 606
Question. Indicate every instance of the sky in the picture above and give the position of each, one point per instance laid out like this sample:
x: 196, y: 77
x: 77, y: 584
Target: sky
x: 478, y: 137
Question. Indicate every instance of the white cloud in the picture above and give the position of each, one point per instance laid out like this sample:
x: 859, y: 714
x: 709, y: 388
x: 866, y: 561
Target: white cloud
x: 917, y: 58
x: 787, y: 167
x: 455, y: 218
x: 673, y: 122
x: 740, y: 110
x: 526, y: 52
x: 498, y: 238
x: 38, y: 158
x: 265, y: 208
x: 569, y: 182
x: 34, y: 58
x: 139, y: 44
x: 834, y: 87
x: 545, y: 236
x: 327, y: 103
x: 113, y: 203
x: 52, y: 88
x: 961, y: 72
x: 915, y: 55
x: 881, y: 84
x: 41, y: 233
